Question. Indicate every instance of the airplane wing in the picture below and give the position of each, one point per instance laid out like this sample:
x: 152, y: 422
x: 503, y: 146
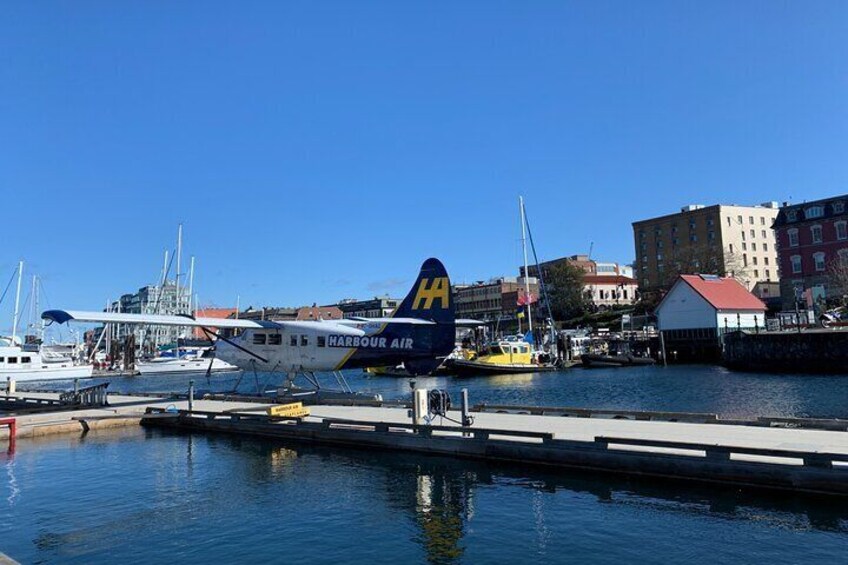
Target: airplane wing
x: 62, y: 316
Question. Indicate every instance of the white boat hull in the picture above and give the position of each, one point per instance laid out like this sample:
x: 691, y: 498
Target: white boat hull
x: 183, y: 366
x: 47, y: 372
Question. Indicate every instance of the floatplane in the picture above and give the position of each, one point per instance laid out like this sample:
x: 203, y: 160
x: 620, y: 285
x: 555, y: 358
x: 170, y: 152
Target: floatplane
x: 420, y: 334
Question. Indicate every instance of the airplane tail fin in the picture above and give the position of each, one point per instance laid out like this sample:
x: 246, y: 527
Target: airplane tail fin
x: 431, y: 297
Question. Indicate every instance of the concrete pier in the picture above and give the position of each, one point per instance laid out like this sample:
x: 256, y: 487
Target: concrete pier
x: 777, y: 453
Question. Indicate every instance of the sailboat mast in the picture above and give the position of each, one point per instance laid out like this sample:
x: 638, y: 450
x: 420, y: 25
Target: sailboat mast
x: 17, y: 301
x: 526, y: 271
x: 191, y: 285
x: 179, y: 260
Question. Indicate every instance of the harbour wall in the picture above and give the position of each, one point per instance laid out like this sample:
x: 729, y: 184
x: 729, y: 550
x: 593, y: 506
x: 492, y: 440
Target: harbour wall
x: 817, y: 351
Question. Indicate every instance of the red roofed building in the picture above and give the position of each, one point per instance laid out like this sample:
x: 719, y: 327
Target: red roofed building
x: 699, y: 309
x: 610, y: 290
x: 217, y: 313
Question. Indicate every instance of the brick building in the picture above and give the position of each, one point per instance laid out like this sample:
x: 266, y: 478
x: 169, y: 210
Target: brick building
x: 811, y: 237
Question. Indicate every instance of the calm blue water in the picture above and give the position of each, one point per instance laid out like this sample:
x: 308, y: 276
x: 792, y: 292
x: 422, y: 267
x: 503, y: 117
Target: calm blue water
x: 139, y: 496
x: 692, y: 388
x: 151, y: 496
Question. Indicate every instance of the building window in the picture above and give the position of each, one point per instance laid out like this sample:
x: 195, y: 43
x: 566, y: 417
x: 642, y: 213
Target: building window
x: 729, y: 221
x: 838, y: 207
x: 816, y: 231
x: 796, y: 263
x: 814, y: 212
x: 765, y: 247
x: 756, y: 274
x: 819, y: 260
x: 768, y: 275
x: 711, y: 236
x: 659, y: 256
x: 731, y: 248
x: 763, y: 233
x: 841, y: 230
x: 753, y: 234
x: 751, y: 220
x: 765, y: 260
x: 754, y: 259
x: 744, y: 246
x: 739, y: 220
x: 762, y: 221
x: 792, y: 215
x: 743, y: 235
x: 646, y: 282
x: 744, y: 259
x: 793, y: 237
x: 843, y: 256
x: 753, y: 247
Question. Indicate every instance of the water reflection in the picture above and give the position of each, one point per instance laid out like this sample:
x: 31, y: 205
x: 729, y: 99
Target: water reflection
x: 439, y: 495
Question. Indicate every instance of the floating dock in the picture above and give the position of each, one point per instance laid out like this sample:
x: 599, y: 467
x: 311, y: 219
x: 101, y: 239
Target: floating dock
x: 799, y: 455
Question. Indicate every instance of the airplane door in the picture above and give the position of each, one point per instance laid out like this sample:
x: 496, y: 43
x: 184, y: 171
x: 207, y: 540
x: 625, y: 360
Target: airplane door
x: 307, y: 350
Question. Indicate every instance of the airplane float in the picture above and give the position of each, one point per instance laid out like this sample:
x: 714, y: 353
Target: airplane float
x: 420, y: 334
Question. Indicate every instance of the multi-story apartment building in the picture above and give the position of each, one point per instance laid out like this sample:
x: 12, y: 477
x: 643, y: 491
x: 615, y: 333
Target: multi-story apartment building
x: 813, y: 242
x: 496, y: 299
x: 153, y: 299
x: 726, y: 240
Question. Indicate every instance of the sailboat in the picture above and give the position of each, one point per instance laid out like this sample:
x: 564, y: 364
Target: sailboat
x: 35, y: 362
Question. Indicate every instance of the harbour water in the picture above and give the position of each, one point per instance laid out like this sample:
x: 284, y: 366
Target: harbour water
x: 139, y: 495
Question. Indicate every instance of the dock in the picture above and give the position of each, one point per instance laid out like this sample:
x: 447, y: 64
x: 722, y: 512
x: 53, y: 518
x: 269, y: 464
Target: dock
x: 799, y: 455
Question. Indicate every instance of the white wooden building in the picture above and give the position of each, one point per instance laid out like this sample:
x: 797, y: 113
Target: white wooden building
x: 699, y: 309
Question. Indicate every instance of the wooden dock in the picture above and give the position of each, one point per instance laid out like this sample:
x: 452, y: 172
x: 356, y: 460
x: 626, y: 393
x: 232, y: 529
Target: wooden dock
x: 793, y: 455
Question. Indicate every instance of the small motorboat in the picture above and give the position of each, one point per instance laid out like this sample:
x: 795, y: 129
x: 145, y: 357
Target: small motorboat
x: 593, y: 361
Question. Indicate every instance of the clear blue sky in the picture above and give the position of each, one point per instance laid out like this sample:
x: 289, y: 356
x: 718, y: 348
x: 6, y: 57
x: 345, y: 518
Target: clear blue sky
x: 320, y: 150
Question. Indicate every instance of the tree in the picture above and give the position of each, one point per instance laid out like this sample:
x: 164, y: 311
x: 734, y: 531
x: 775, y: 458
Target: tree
x: 690, y: 260
x: 566, y: 289
x: 837, y: 274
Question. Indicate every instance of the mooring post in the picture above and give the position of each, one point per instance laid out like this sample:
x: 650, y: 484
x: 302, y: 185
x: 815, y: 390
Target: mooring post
x: 466, y: 419
x: 190, y: 396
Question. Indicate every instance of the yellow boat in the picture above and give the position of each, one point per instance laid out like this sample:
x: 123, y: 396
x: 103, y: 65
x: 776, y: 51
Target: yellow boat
x: 501, y: 357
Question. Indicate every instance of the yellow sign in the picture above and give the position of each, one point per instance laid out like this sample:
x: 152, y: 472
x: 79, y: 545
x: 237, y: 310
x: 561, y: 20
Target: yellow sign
x: 438, y: 288
x: 292, y: 410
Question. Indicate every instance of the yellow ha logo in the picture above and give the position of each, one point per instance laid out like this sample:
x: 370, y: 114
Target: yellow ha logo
x: 438, y: 288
